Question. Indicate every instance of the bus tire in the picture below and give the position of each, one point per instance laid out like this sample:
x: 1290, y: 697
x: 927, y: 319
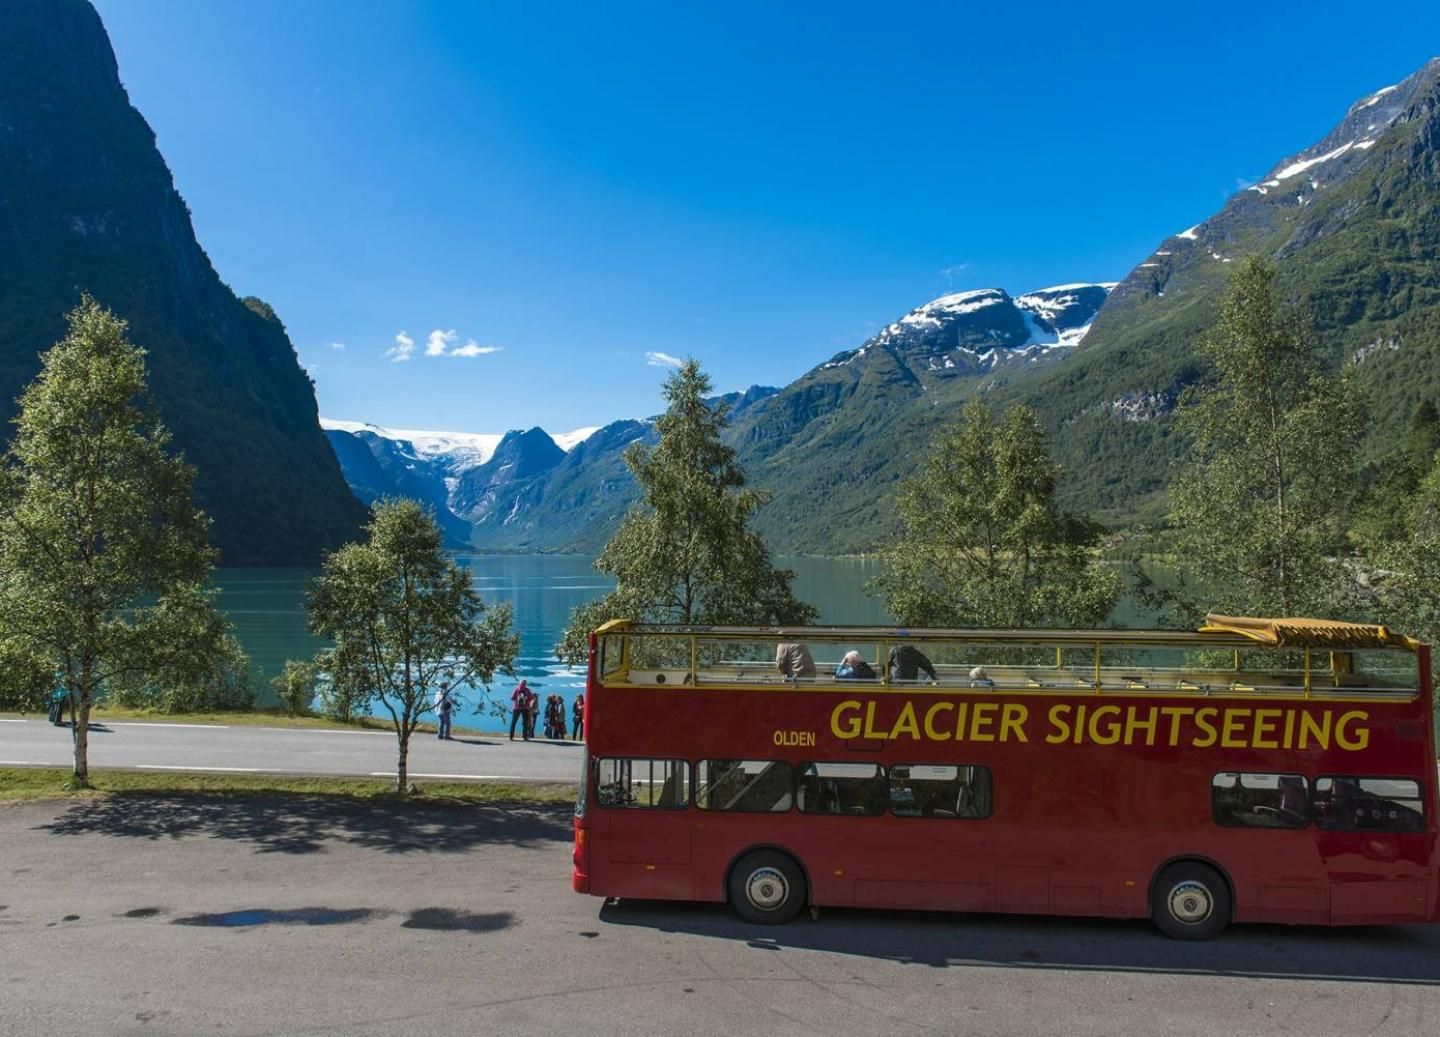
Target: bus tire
x: 767, y: 887
x: 1190, y: 901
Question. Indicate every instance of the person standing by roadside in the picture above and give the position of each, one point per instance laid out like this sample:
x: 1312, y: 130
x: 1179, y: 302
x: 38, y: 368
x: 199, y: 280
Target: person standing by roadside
x: 577, y: 716
x: 519, y: 708
x: 532, y: 709
x: 444, y: 704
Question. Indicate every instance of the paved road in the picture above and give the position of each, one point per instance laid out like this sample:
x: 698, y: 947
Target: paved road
x: 284, y: 916
x: 209, y: 747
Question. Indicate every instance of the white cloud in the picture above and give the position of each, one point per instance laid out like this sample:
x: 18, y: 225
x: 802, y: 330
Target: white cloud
x: 663, y: 360
x: 403, y: 347
x: 337, y: 345
x: 952, y: 272
x: 437, y: 342
x: 473, y: 348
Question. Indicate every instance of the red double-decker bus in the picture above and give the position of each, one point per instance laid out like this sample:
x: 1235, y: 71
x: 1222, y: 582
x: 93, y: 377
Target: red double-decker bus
x: 1250, y: 771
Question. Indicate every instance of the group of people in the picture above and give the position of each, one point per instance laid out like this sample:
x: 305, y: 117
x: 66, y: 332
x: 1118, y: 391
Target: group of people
x: 525, y: 710
x: 905, y: 663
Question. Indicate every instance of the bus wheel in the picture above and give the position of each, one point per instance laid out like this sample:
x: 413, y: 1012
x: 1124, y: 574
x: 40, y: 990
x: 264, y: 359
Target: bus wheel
x: 1190, y: 901
x: 767, y: 887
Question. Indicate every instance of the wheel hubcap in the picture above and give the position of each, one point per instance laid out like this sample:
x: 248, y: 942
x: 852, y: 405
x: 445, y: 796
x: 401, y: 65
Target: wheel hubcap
x: 1191, y: 903
x: 767, y: 889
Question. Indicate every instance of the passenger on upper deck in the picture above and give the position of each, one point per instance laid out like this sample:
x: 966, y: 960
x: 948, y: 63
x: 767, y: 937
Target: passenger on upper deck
x: 793, y: 660
x: 906, y: 663
x: 853, y: 667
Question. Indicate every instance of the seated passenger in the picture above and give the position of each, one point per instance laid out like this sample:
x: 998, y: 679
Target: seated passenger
x: 793, y: 660
x: 906, y: 663
x: 980, y: 679
x: 853, y: 667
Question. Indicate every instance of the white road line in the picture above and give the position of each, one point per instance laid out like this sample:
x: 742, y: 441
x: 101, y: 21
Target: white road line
x: 22, y: 763
x: 13, y: 720
x: 147, y: 723
x: 234, y: 770
x: 466, y: 777
x: 322, y: 731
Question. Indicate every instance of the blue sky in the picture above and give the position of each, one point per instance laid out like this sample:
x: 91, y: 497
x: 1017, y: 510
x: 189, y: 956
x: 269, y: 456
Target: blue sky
x: 572, y: 187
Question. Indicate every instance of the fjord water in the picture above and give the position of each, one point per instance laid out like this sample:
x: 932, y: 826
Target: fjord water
x: 267, y: 607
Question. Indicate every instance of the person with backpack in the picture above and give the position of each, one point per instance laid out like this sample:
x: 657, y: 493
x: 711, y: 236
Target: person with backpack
x: 520, y: 708
x: 444, y: 705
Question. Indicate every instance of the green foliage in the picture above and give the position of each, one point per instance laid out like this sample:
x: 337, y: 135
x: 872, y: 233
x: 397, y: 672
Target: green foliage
x: 104, y: 558
x: 25, y: 680
x: 343, y: 684
x: 984, y: 544
x: 295, y: 686
x: 685, y: 554
x: 406, y: 620
x: 1258, y: 511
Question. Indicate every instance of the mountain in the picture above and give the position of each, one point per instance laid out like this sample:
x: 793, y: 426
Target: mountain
x: 1352, y: 225
x: 464, y: 477
x: 87, y: 204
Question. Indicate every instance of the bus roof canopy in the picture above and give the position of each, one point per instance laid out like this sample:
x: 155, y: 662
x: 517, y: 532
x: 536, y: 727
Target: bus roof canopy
x: 1307, y: 633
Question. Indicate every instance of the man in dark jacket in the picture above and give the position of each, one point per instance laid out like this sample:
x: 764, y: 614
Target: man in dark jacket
x: 907, y: 662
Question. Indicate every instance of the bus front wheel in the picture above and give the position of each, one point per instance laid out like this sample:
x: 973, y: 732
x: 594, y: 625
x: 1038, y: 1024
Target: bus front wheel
x: 1190, y: 901
x: 767, y: 887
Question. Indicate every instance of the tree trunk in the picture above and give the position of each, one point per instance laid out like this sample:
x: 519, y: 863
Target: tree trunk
x: 402, y: 768
x: 80, y: 734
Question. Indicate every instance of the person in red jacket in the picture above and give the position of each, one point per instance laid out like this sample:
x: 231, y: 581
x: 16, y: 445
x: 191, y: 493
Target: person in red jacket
x: 520, y: 709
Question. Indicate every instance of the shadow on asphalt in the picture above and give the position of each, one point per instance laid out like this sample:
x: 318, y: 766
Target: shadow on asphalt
x: 299, y: 823
x: 1379, y: 954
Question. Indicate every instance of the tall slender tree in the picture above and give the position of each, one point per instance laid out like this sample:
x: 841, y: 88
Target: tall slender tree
x: 104, y: 558
x: 984, y: 543
x: 1259, y: 509
x: 406, y: 619
x: 685, y: 554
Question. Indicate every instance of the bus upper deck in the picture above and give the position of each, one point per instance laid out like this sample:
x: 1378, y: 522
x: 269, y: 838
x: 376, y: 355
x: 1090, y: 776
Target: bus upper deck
x: 1227, y: 656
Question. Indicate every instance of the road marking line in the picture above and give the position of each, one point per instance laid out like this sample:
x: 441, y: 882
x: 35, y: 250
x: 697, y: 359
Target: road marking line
x: 322, y: 731
x: 23, y: 763
x: 235, y: 770
x: 467, y: 777
x: 148, y: 723
x: 12, y: 720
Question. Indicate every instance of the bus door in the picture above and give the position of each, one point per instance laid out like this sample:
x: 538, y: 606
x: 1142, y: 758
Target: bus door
x: 645, y: 801
x: 1373, y: 843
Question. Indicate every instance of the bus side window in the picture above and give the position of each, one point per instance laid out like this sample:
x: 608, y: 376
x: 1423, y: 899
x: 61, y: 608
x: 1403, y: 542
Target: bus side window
x: 642, y: 783
x: 747, y: 786
x: 1373, y: 804
x: 840, y: 788
x: 1244, y: 800
x: 929, y: 790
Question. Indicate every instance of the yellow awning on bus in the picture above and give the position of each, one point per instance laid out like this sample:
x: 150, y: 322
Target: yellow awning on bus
x: 1333, y: 634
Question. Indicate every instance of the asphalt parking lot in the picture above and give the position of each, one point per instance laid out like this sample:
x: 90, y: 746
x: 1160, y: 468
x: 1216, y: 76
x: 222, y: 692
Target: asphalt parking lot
x: 183, y: 915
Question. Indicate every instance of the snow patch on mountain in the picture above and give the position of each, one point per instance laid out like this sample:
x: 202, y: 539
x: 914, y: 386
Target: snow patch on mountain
x: 465, y: 449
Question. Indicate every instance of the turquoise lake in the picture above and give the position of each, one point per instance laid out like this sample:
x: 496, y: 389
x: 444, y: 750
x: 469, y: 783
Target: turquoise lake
x: 267, y: 607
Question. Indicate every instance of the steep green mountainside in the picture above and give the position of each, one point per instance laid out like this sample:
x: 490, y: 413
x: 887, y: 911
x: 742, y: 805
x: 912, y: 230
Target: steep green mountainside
x: 87, y: 204
x: 1353, y: 227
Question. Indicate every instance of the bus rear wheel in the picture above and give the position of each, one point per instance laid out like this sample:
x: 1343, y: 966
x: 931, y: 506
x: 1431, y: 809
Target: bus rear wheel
x: 767, y: 887
x: 1190, y: 901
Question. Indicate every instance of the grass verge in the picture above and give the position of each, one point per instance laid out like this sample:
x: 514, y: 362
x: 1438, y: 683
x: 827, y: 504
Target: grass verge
x: 27, y: 783
x: 261, y: 718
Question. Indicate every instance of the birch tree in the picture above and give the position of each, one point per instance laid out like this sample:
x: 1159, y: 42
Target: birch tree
x: 405, y: 619
x: 104, y: 558
x: 1259, y: 508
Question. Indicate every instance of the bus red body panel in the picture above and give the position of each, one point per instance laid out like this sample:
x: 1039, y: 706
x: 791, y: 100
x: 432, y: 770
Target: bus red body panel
x: 1078, y: 799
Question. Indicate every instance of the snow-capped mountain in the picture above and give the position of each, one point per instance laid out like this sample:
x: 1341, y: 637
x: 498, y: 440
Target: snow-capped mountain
x: 430, y: 467
x: 958, y: 332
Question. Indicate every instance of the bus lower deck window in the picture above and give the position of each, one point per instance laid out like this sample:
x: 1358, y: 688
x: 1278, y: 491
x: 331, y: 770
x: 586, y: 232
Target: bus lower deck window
x: 1245, y: 800
x: 746, y: 786
x: 931, y: 790
x: 840, y: 788
x: 642, y: 783
x: 1370, y: 804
